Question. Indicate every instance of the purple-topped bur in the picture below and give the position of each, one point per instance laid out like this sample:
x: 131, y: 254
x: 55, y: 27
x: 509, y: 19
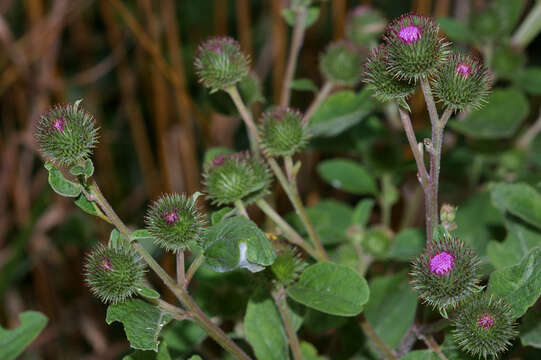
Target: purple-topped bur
x: 171, y: 217
x: 442, y: 263
x: 59, y: 123
x: 485, y: 321
x: 219, y: 160
x: 106, y: 264
x: 463, y: 69
x: 409, y: 34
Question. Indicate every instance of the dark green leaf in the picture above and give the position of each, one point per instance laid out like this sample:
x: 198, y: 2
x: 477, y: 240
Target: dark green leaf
x: 163, y: 354
x: 530, y: 328
x: 264, y: 329
x: 14, y: 341
x: 237, y: 242
x: 499, y: 118
x: 519, y: 285
x: 391, y: 308
x: 341, y: 111
x: 309, y: 352
x: 347, y: 175
x: 420, y: 355
x: 407, y: 244
x: 60, y: 184
x: 520, y: 199
x: 303, y: 85
x: 142, y: 322
x: 530, y: 80
x: 183, y: 336
x: 456, y: 30
x: 331, y: 288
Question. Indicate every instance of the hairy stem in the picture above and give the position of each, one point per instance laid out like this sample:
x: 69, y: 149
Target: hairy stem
x: 296, y: 44
x: 182, y: 295
x: 322, y: 94
x: 180, y: 268
x: 196, y: 263
x: 290, y: 233
x: 430, y: 342
x: 530, y: 27
x: 387, y: 352
x: 240, y: 208
x: 246, y: 115
x: 280, y: 300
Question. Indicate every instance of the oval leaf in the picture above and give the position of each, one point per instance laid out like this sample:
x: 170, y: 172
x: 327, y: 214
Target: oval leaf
x: 60, y: 184
x: 14, y: 341
x: 331, y: 288
x: 148, y: 293
x: 347, y: 175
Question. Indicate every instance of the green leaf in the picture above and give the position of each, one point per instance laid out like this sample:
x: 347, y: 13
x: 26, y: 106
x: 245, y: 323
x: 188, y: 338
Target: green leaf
x: 60, y: 184
x: 362, y: 212
x: 456, y: 30
x: 529, y: 79
x: 331, y: 288
x: 530, y: 328
x: 183, y: 336
x: 219, y: 215
x: 264, y: 329
x: 147, y: 292
x: 520, y: 199
x: 311, y: 16
x: 303, y: 85
x: 519, y: 285
x: 408, y: 244
x: 86, y: 170
x: 420, y: 355
x: 391, y: 308
x: 237, y: 242
x: 347, y: 175
x: 341, y: 111
x: 142, y: 322
x: 116, y: 240
x: 163, y: 354
x: 309, y: 352
x: 509, y: 12
x: 195, y: 357
x: 88, y: 207
x: 14, y: 341
x: 140, y: 235
x: 499, y: 118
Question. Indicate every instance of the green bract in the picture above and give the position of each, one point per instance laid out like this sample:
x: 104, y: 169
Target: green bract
x: 282, y: 132
x: 365, y: 25
x: 66, y: 134
x: 239, y: 176
x: 287, y: 266
x: 414, y: 49
x: 381, y: 81
x: 113, y: 273
x: 462, y: 82
x: 174, y: 222
x: 341, y: 63
x: 220, y: 64
x: 445, y: 274
x: 484, y: 326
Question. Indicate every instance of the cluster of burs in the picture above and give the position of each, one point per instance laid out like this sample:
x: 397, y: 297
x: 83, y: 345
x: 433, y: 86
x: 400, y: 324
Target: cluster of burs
x: 445, y: 275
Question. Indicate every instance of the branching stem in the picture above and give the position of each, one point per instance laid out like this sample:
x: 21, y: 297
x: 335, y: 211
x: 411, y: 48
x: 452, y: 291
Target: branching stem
x: 280, y: 300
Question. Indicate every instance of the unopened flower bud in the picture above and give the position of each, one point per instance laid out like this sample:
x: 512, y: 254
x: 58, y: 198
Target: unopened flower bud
x: 365, y: 25
x: 341, y: 63
x: 448, y: 216
x: 282, y: 132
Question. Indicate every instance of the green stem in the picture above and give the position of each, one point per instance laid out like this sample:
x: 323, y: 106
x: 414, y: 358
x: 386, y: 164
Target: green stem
x: 280, y: 300
x: 290, y: 233
x: 530, y: 27
x: 240, y: 208
x: 196, y: 263
x: 182, y: 295
x: 180, y: 268
x: 246, y: 115
x: 387, y: 352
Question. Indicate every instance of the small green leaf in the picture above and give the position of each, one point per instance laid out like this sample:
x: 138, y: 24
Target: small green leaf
x: 391, y: 308
x: 88, y: 207
x: 195, y: 357
x: 14, y: 341
x: 142, y: 322
x: 341, y: 111
x: 529, y: 79
x: 140, y: 234
x: 163, y: 354
x: 311, y: 16
x: 421, y: 355
x: 499, y: 118
x: 456, y: 30
x: 362, y: 212
x: 347, y: 175
x: 237, y: 242
x: 219, y: 215
x: 147, y: 292
x: 520, y: 199
x: 264, y: 329
x: 60, y: 184
x: 407, y: 244
x: 86, y: 170
x: 331, y: 288
x: 183, y: 336
x: 530, y: 328
x: 303, y: 85
x: 519, y: 285
x: 309, y: 352
x: 116, y: 240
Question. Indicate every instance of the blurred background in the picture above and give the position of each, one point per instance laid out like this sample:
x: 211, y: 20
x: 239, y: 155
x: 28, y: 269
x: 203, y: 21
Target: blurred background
x: 132, y: 63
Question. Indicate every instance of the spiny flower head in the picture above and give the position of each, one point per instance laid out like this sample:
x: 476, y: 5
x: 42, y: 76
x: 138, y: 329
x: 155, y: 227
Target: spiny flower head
x: 462, y: 82
x: 414, y: 49
x: 341, y: 63
x: 288, y: 265
x: 66, y: 134
x: 365, y: 25
x: 220, y: 63
x: 174, y: 222
x: 282, y: 132
x: 380, y: 80
x: 484, y: 326
x: 445, y: 273
x: 233, y: 177
x: 113, y: 273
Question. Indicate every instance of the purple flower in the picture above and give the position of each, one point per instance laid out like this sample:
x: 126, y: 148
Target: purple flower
x: 59, y: 123
x: 409, y: 34
x: 485, y: 321
x: 171, y: 217
x: 442, y: 263
x: 463, y: 69
x: 106, y: 264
